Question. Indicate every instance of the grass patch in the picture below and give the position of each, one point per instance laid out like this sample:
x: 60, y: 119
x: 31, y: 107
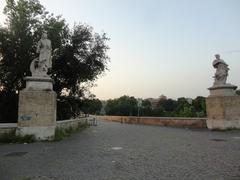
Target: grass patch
x: 11, y: 137
x: 61, y: 133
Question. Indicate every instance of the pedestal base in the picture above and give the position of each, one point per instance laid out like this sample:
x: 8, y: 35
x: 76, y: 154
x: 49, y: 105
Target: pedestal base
x: 223, y: 124
x: 223, y: 112
x: 37, y: 114
x: 223, y: 90
x: 36, y: 83
x: 40, y: 132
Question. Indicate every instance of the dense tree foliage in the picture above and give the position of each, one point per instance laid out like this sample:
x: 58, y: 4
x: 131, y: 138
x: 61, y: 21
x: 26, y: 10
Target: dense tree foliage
x: 91, y: 106
x: 146, y: 108
x: 79, y: 54
x: 181, y: 107
x: 73, y: 107
x: 8, y: 106
x: 124, y: 106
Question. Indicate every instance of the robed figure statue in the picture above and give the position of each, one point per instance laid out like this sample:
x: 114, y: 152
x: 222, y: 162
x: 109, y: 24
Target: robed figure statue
x: 221, y: 73
x: 40, y: 65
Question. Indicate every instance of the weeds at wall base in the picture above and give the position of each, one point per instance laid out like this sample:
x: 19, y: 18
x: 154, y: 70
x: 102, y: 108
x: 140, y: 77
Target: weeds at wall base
x: 12, y: 137
x: 61, y: 133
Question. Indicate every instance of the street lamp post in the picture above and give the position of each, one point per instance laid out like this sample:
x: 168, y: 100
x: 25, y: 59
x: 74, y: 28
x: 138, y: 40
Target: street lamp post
x: 139, y: 105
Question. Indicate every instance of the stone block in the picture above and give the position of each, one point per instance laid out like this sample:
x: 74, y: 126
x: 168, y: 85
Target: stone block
x: 38, y: 83
x: 223, y: 112
x: 37, y: 114
x: 223, y: 90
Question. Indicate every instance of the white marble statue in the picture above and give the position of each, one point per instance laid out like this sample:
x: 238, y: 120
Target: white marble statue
x: 221, y: 73
x: 40, y: 65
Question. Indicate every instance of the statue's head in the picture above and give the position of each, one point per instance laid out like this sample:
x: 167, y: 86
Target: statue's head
x: 44, y: 35
x: 217, y: 56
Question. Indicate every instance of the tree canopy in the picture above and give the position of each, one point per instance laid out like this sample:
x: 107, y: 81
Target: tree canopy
x: 165, y: 107
x: 124, y: 106
x: 79, y: 54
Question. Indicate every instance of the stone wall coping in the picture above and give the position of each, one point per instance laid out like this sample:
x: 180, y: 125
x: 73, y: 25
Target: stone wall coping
x: 71, y: 120
x: 226, y: 86
x: 14, y: 125
x: 8, y: 125
x: 167, y: 118
x: 185, y: 122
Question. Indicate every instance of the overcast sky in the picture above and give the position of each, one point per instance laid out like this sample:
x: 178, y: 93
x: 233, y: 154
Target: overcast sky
x: 159, y: 46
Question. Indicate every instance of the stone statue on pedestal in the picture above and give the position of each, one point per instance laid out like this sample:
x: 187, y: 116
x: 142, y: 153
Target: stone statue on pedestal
x: 223, y: 104
x: 221, y: 73
x: 37, y: 102
x: 220, y: 86
x: 40, y: 65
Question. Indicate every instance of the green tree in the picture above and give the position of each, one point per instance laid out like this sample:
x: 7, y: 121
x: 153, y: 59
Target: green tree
x: 181, y: 103
x: 8, y: 106
x: 79, y: 56
x: 68, y: 107
x: 111, y: 107
x: 146, y: 109
x: 168, y: 106
x: 199, y: 105
x: 126, y: 106
x: 123, y: 106
x: 91, y: 106
x: 158, y: 112
x: 187, y: 111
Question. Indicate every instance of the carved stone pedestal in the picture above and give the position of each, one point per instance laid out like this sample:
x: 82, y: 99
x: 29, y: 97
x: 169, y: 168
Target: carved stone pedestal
x: 37, y: 102
x: 223, y: 90
x: 38, y: 83
x: 37, y: 109
x: 223, y: 108
x: 223, y: 104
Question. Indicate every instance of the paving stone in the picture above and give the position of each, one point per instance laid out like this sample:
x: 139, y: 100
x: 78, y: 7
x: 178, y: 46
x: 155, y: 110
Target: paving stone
x: 143, y: 153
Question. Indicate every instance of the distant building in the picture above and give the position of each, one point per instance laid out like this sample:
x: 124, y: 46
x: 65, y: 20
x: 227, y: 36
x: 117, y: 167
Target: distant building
x: 154, y: 101
x: 163, y: 97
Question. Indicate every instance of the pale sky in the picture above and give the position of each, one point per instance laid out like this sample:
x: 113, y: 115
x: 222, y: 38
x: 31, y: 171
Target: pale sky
x: 159, y: 46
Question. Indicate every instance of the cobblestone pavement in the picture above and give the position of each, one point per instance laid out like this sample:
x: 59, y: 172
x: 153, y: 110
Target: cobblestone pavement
x: 114, y: 151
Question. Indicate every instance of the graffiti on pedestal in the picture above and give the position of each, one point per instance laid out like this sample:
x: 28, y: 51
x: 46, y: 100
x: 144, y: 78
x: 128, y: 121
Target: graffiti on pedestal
x: 25, y: 118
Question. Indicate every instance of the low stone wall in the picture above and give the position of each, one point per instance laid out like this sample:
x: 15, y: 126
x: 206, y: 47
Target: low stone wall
x: 162, y: 121
x: 73, y: 123
x: 65, y: 124
x: 7, y: 127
